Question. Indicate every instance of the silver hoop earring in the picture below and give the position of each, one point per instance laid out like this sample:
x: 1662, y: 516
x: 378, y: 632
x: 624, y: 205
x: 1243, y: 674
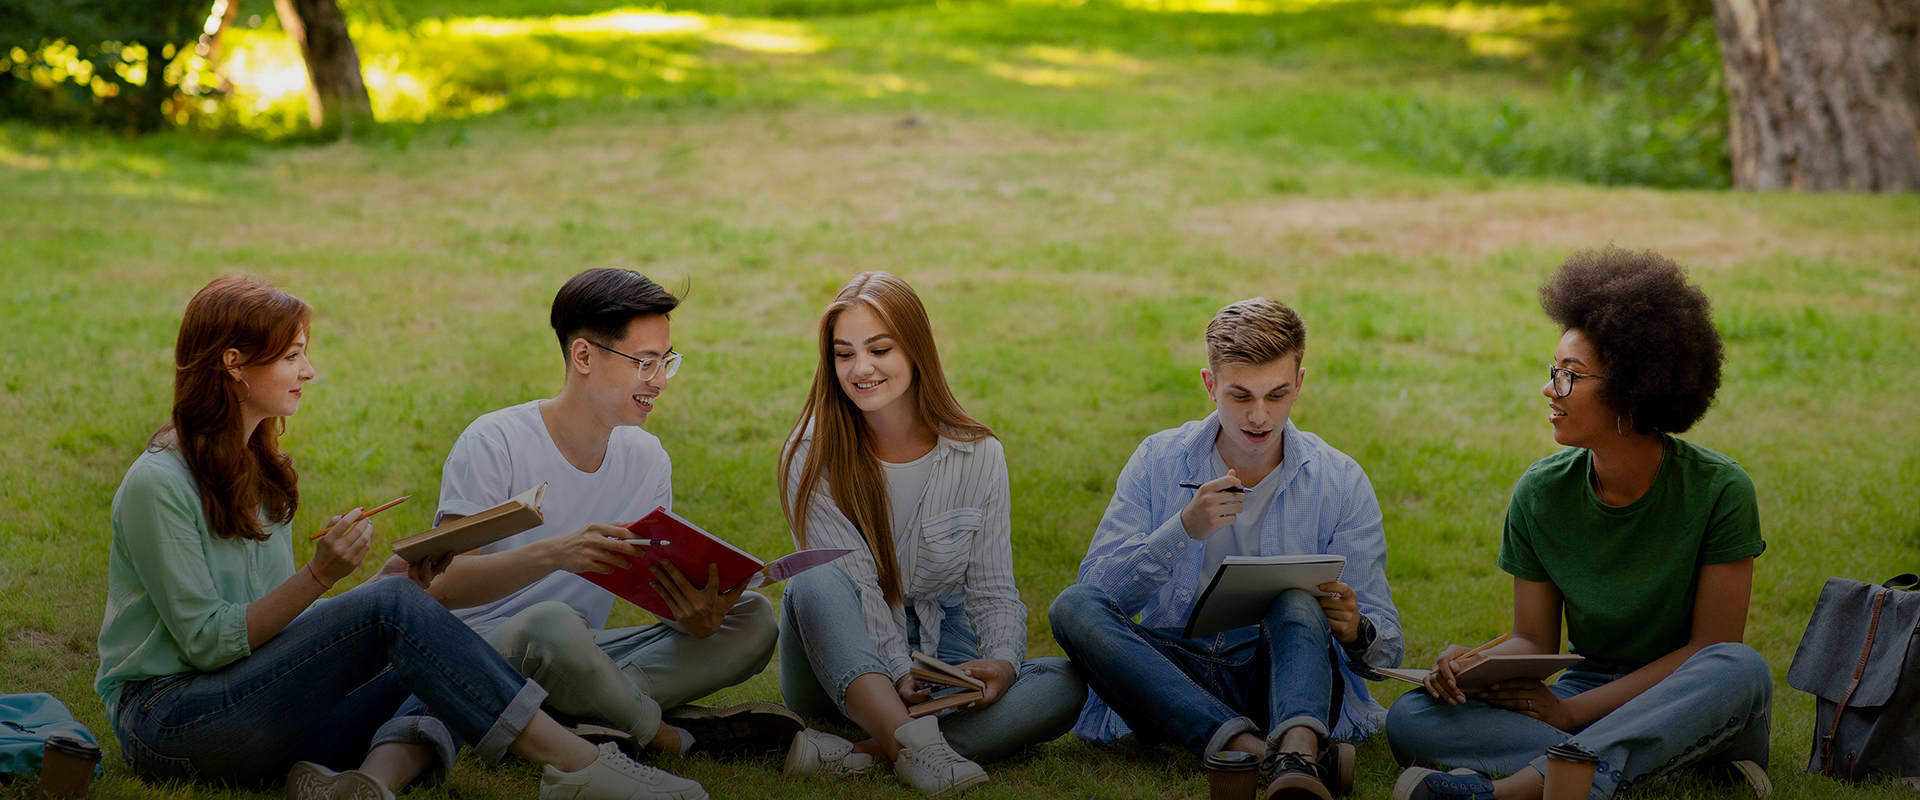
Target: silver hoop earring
x: 1616, y: 426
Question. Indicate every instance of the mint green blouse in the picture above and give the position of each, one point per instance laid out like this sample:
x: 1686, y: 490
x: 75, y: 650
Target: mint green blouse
x: 177, y: 595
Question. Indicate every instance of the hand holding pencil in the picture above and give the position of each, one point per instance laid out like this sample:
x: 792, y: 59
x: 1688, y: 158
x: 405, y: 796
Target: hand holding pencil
x: 340, y: 548
x: 1440, y: 681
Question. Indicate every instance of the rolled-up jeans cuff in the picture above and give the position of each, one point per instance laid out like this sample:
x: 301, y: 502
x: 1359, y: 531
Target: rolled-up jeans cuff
x: 844, y: 680
x: 422, y: 730
x: 1318, y: 727
x: 510, y: 723
x: 1223, y: 735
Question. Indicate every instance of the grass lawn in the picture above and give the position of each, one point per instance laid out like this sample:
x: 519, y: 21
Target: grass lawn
x: 1073, y: 190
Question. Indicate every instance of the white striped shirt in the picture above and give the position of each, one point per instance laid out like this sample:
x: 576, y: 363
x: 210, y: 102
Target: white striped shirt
x: 956, y: 547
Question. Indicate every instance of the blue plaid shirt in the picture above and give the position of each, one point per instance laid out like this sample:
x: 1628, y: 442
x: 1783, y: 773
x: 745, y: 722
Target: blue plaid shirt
x: 1142, y: 557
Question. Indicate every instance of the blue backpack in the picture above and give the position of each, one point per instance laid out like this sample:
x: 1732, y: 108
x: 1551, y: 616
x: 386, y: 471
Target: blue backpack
x: 26, y: 720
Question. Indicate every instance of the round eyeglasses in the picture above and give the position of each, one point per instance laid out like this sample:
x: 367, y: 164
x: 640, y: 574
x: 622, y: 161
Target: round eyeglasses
x: 1561, y: 379
x: 663, y: 367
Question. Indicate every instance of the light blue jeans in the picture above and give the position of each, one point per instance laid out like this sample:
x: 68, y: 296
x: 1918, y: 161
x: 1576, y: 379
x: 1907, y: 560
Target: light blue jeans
x: 1199, y: 693
x: 1714, y: 709
x: 824, y: 646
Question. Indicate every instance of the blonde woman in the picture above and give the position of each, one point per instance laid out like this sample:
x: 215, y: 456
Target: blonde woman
x: 885, y: 461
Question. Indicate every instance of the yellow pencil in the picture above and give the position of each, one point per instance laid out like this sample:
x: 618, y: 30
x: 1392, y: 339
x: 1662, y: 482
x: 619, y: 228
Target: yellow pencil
x: 377, y: 509
x: 1476, y: 651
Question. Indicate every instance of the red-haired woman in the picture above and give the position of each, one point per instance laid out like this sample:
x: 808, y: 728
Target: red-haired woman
x: 884, y: 460
x: 217, y: 660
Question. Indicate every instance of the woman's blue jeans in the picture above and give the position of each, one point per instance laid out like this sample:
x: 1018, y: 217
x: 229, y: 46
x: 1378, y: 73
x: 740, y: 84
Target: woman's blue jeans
x: 824, y: 646
x: 1714, y: 709
x: 325, y: 690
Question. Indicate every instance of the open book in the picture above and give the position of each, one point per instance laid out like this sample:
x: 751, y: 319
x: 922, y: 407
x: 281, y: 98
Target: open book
x: 1486, y: 671
x: 928, y: 669
x: 691, y: 549
x: 518, y: 515
x: 1244, y: 587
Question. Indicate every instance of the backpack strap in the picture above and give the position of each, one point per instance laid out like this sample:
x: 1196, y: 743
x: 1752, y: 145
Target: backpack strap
x: 1904, y: 580
x: 1826, y: 742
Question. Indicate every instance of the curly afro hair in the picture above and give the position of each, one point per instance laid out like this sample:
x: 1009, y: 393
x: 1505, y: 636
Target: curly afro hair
x: 1651, y: 328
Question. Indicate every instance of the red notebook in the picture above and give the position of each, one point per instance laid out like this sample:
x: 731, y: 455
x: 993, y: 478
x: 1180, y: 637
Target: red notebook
x: 692, y: 549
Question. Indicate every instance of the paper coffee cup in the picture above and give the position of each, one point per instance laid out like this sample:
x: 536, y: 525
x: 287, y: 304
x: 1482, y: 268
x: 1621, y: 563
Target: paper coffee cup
x: 66, y: 767
x: 1570, y: 769
x: 1232, y: 775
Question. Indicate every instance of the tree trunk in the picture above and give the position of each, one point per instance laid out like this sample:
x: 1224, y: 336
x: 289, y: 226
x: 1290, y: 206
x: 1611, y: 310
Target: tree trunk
x: 337, y: 96
x: 1823, y: 94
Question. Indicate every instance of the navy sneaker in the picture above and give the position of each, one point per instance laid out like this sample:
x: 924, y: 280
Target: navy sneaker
x: 747, y: 729
x: 1420, y: 783
x: 1291, y: 776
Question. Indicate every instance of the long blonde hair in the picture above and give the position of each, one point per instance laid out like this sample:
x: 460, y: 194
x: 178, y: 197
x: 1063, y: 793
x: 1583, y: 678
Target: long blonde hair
x: 843, y: 445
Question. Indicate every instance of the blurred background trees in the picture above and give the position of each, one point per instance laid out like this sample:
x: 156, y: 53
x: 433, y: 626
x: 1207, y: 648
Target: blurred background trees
x: 96, y: 62
x: 1809, y: 95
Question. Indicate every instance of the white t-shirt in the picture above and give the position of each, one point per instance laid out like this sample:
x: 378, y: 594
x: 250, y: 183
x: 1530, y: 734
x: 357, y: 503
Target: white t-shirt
x: 509, y: 451
x: 905, y: 484
x: 1243, y: 538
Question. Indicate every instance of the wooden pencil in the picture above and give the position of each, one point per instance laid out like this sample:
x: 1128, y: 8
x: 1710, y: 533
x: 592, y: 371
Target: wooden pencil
x: 377, y: 509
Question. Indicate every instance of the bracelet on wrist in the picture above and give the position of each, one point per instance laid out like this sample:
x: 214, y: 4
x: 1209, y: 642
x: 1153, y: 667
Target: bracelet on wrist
x: 324, y: 586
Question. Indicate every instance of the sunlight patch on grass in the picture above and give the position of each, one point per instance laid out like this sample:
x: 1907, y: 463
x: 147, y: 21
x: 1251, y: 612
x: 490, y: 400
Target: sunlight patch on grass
x: 1098, y: 59
x: 460, y: 67
x: 1044, y: 76
x: 767, y: 38
x: 1490, y: 30
x: 870, y: 84
x: 1252, y: 7
x: 1066, y: 67
x: 626, y: 23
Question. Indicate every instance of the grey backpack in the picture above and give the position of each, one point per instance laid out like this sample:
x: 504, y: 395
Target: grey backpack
x: 1853, y: 658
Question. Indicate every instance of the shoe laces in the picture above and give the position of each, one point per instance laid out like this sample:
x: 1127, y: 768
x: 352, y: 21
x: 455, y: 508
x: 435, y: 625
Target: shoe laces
x: 1276, y: 763
x: 624, y: 763
x: 937, y: 756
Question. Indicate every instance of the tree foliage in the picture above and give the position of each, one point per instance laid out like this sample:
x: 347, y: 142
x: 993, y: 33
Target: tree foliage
x: 114, y: 63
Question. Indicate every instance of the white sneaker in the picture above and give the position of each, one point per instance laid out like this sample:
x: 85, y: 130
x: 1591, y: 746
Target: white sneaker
x: 929, y: 764
x: 1755, y: 777
x: 310, y: 781
x: 614, y: 776
x: 823, y: 754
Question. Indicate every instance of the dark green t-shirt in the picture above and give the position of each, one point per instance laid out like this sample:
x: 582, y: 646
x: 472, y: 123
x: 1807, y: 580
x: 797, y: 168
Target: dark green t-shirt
x: 1629, y: 573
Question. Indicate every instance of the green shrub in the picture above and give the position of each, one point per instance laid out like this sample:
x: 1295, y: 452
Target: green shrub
x: 107, y: 62
x: 1638, y: 112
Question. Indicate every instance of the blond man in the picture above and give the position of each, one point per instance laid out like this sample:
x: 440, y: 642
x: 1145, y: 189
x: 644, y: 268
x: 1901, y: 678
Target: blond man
x: 1283, y: 689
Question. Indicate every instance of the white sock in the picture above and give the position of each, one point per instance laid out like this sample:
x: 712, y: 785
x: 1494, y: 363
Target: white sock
x: 686, y: 740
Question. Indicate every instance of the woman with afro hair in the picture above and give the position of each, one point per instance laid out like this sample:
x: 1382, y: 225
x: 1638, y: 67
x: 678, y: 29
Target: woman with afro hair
x: 1644, y: 541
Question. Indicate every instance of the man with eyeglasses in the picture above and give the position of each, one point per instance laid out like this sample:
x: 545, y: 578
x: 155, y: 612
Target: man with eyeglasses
x: 602, y: 469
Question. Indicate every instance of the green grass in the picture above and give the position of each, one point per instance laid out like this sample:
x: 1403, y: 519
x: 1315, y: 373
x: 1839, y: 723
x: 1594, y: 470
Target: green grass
x: 1070, y: 241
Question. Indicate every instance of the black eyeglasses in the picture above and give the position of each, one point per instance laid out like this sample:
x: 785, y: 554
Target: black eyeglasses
x: 649, y: 367
x: 1562, y: 379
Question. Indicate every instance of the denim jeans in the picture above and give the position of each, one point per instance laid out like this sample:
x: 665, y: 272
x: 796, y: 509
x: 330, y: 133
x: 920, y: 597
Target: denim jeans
x: 1201, y: 692
x: 325, y: 689
x: 824, y: 646
x: 1714, y: 709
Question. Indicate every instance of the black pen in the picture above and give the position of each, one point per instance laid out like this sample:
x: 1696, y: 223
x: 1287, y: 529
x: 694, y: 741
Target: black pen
x: 1234, y: 489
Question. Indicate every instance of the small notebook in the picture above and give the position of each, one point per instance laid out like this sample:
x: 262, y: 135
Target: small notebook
x: 928, y: 669
x: 1244, y: 587
x: 691, y: 549
x: 518, y: 515
x: 1489, y: 670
